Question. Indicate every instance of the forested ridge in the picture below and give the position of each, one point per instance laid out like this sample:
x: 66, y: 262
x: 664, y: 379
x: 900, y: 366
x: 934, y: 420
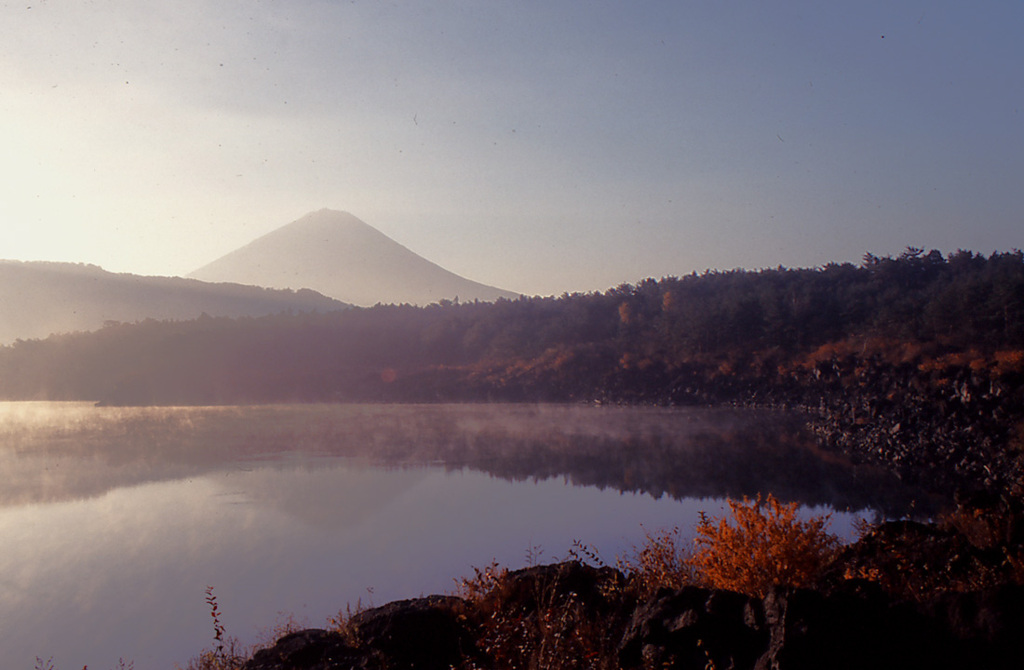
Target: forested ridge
x: 698, y: 338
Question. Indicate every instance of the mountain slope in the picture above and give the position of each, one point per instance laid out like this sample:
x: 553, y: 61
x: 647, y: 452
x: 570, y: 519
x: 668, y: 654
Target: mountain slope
x: 41, y: 298
x: 340, y: 256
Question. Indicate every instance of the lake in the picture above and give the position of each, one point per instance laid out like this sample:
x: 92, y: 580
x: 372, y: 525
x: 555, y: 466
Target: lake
x: 113, y: 521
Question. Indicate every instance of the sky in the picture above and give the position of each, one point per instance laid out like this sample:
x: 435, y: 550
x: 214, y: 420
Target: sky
x: 541, y: 147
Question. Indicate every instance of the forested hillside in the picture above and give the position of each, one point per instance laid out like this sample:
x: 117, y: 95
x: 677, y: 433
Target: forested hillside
x: 657, y: 341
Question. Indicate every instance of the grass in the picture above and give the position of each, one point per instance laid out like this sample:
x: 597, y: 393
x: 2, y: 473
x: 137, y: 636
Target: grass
x: 661, y: 562
x: 533, y: 621
x: 226, y: 652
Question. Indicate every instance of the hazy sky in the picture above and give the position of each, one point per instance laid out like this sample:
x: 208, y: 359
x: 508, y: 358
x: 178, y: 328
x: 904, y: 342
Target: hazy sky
x: 538, y: 146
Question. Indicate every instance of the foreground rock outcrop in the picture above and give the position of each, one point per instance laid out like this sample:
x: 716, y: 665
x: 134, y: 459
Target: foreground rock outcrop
x: 420, y: 634
x: 572, y: 615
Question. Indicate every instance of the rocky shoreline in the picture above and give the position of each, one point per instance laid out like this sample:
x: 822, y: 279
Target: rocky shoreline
x: 956, y: 435
x: 847, y: 623
x: 957, y: 428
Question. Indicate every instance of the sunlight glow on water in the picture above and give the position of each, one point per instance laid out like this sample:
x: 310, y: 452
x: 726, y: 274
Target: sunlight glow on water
x: 123, y: 574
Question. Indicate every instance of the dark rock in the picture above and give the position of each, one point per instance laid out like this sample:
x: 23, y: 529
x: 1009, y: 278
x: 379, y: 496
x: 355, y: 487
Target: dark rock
x: 692, y: 627
x: 796, y: 639
x: 986, y: 626
x: 851, y: 624
x: 853, y: 627
x: 421, y: 634
x: 313, y: 649
x: 588, y: 585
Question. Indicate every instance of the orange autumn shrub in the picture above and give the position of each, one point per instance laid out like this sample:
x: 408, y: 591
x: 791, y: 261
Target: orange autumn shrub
x: 763, y: 544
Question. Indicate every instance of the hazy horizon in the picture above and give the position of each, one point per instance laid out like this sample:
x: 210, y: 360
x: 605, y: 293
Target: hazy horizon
x: 539, y: 148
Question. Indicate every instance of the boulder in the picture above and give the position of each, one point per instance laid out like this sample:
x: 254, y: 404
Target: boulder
x: 313, y: 649
x: 523, y: 590
x: 420, y: 634
x: 694, y: 627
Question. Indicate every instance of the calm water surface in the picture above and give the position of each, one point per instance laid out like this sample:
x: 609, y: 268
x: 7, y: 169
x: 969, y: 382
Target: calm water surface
x: 113, y: 521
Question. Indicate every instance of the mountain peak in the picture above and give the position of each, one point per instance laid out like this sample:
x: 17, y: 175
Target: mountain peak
x: 337, y: 254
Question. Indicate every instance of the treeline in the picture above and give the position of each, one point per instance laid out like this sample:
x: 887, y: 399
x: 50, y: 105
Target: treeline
x: 659, y: 341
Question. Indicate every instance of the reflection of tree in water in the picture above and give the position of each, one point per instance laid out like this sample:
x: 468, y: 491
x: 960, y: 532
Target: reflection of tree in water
x: 680, y: 453
x: 775, y: 455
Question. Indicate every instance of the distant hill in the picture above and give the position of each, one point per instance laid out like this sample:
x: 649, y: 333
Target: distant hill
x: 341, y: 256
x: 41, y: 298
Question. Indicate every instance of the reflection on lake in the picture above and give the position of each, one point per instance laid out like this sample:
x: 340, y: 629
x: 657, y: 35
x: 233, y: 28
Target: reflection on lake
x: 113, y: 521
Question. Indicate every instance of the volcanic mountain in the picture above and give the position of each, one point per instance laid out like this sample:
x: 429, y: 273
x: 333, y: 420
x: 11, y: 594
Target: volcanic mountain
x: 336, y: 254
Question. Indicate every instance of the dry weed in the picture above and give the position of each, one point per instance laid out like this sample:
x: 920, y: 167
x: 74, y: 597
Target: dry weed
x: 534, y: 624
x: 662, y: 562
x: 227, y: 653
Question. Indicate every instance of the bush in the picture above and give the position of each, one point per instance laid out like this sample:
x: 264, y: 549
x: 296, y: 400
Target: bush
x: 764, y: 545
x: 662, y: 562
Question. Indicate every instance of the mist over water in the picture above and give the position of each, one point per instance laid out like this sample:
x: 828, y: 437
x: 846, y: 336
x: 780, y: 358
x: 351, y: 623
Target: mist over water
x: 114, y: 520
